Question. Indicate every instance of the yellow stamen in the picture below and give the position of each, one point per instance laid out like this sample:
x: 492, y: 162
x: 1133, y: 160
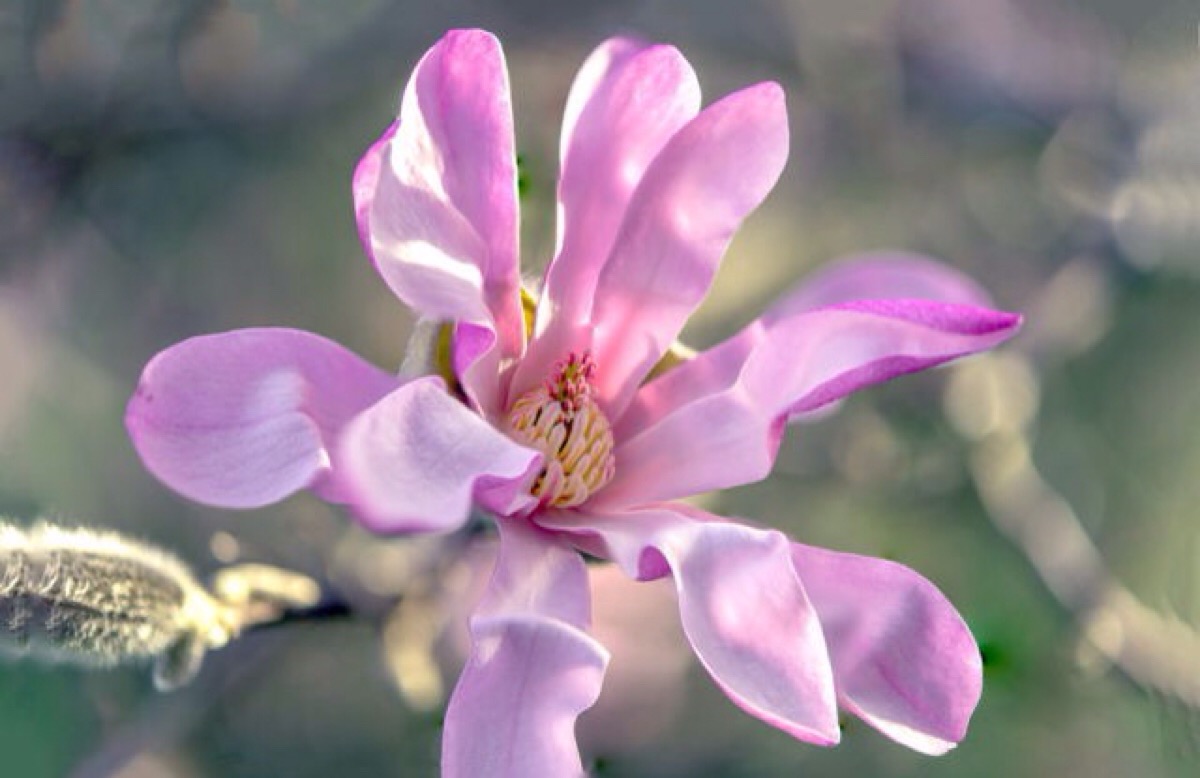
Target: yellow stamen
x: 562, y: 420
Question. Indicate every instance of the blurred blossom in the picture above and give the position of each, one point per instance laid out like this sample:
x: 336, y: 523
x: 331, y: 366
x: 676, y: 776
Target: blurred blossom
x: 574, y: 421
x: 415, y: 585
x: 410, y: 639
x: 1042, y: 57
x: 644, y: 686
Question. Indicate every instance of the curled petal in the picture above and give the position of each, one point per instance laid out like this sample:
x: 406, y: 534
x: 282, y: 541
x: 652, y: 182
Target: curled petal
x: 532, y: 669
x: 438, y: 201
x: 691, y: 200
x: 365, y: 181
x: 716, y: 421
x: 418, y: 458
x: 476, y: 362
x: 245, y: 418
x: 741, y: 604
x: 536, y: 573
x: 627, y: 101
x: 513, y: 711
x: 903, y: 660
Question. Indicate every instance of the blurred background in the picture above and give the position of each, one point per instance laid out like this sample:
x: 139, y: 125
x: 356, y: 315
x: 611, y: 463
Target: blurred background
x: 170, y: 168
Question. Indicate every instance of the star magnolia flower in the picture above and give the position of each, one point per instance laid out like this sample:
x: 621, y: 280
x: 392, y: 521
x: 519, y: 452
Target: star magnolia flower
x: 567, y: 424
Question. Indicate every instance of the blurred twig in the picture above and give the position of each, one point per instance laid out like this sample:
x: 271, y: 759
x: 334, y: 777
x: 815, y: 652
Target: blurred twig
x: 993, y: 401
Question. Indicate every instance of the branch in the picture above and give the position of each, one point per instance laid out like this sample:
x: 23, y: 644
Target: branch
x: 993, y: 402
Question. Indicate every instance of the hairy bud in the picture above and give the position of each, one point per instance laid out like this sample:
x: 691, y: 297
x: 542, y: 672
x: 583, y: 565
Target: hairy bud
x: 97, y: 599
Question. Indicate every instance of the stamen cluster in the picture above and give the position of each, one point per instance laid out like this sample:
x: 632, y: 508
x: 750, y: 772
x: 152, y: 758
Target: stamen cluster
x: 561, y: 419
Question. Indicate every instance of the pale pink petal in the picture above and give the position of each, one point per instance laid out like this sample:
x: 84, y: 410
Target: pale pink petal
x: 418, y: 458
x: 513, y: 711
x: 245, y: 418
x: 536, y: 573
x: 742, y: 606
x: 364, y: 182
x: 716, y: 421
x: 627, y: 101
x: 476, y: 363
x: 532, y: 668
x: 903, y: 659
x: 442, y: 212
x: 690, y: 202
x: 880, y: 275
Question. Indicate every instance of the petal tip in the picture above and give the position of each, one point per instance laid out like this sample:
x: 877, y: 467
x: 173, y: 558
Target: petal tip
x: 1003, y: 323
x: 469, y: 39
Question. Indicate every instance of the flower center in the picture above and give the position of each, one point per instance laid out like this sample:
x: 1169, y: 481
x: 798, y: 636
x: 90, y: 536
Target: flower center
x: 562, y: 420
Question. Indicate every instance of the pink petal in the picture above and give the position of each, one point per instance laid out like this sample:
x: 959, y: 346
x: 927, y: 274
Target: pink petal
x: 742, y: 606
x: 628, y: 100
x: 364, y: 182
x: 245, y: 418
x: 536, y: 573
x: 476, y: 362
x: 440, y: 203
x: 532, y: 669
x: 513, y: 711
x: 626, y: 103
x: 881, y: 275
x: 690, y: 202
x: 903, y: 659
x: 418, y: 458
x: 716, y: 421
